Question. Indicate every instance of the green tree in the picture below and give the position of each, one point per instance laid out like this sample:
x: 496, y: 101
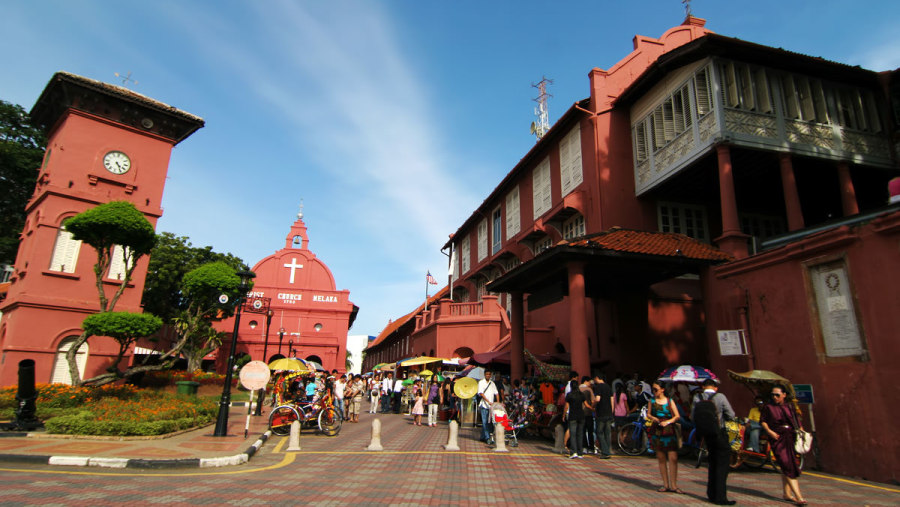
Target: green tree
x: 116, y: 223
x: 201, y: 288
x: 173, y: 257
x: 21, y: 150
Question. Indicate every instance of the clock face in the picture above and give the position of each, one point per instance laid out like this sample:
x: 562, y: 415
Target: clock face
x: 116, y: 162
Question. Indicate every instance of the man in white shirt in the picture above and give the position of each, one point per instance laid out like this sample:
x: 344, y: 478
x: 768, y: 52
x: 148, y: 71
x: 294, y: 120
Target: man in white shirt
x: 398, y: 393
x: 387, y: 389
x: 487, y: 395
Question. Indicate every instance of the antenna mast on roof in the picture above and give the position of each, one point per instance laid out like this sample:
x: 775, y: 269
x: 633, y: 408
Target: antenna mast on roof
x: 542, y: 125
x: 125, y: 79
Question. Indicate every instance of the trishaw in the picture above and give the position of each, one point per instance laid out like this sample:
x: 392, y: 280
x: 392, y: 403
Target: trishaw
x: 761, y: 383
x: 320, y: 412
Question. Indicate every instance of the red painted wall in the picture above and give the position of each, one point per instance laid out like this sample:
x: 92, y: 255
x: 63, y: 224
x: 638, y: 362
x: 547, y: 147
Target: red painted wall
x: 43, y: 308
x: 855, y: 407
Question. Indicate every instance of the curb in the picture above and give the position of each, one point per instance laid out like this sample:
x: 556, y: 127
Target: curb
x: 83, y: 461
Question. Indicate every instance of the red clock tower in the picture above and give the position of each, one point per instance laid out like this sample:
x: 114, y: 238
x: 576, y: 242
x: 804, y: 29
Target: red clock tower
x: 104, y: 143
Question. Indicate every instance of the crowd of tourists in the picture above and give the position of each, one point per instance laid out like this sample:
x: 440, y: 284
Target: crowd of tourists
x: 590, y: 408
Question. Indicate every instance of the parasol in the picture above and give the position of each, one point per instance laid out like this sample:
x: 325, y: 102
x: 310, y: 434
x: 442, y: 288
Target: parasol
x: 426, y: 373
x: 289, y: 364
x: 475, y: 372
x: 687, y: 373
x: 761, y: 378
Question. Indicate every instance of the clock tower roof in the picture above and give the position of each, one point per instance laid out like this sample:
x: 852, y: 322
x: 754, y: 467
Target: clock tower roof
x: 69, y: 91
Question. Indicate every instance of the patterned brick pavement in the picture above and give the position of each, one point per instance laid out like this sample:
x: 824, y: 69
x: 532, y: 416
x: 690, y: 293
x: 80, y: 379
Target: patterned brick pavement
x: 412, y: 470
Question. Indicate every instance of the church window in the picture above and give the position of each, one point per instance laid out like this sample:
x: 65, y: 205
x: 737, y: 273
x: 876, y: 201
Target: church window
x: 513, y: 220
x: 541, y: 194
x: 482, y: 239
x: 496, y: 230
x: 570, y: 170
x: 65, y: 252
x: 573, y: 227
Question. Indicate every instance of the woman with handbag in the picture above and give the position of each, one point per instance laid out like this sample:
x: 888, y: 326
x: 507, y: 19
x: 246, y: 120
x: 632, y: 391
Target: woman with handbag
x: 779, y: 422
x: 663, y: 413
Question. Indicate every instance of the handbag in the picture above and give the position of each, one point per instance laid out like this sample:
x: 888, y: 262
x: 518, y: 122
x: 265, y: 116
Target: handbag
x: 802, y: 441
x: 802, y: 438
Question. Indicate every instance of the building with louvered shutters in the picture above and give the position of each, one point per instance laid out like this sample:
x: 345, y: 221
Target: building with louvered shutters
x: 711, y: 201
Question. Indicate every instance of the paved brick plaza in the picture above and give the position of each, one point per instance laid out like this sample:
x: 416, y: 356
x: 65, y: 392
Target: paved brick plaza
x: 412, y: 470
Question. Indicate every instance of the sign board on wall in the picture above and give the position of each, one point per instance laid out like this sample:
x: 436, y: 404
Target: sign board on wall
x: 732, y: 342
x: 804, y: 393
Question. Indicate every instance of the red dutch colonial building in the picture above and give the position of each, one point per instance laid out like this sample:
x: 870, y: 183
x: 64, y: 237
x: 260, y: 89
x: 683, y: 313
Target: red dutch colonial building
x: 309, y: 317
x: 104, y: 143
x: 711, y: 201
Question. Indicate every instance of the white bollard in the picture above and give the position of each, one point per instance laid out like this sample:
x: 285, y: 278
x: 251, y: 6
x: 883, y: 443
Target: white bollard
x: 375, y: 445
x: 500, y: 438
x: 453, y: 441
x: 559, y: 443
x: 294, y: 440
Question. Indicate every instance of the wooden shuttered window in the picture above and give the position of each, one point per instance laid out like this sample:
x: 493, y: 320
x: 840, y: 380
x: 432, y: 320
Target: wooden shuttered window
x: 117, y: 265
x: 65, y: 252
x: 513, y: 218
x: 571, y: 172
x: 466, y: 256
x: 482, y: 239
x: 542, y: 199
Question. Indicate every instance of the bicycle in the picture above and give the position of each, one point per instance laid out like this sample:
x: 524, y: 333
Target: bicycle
x: 632, y: 437
x: 319, y: 413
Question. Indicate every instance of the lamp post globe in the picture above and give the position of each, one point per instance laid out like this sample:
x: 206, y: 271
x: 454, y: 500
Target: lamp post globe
x: 225, y: 402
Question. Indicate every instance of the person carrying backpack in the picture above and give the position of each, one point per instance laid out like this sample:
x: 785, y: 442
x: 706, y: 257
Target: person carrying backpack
x: 711, y: 410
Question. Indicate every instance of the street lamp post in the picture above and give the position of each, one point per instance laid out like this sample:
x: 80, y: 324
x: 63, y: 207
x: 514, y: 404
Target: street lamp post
x: 280, y: 339
x: 290, y: 348
x: 225, y: 401
x: 262, y: 392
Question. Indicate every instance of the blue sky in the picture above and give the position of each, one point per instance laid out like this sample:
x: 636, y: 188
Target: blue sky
x: 391, y: 120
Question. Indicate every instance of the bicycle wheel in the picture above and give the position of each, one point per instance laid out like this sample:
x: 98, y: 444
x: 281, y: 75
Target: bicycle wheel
x: 329, y: 421
x: 755, y: 460
x: 632, y: 439
x: 281, y: 418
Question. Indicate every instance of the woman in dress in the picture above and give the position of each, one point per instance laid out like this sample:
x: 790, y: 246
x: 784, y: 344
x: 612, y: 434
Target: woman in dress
x: 663, y: 413
x: 779, y: 422
x: 419, y: 407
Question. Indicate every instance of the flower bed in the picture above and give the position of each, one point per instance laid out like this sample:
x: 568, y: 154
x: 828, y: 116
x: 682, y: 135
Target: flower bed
x: 119, y: 410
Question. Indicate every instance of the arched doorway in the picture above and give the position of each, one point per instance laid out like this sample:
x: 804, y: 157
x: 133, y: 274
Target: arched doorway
x: 61, y: 366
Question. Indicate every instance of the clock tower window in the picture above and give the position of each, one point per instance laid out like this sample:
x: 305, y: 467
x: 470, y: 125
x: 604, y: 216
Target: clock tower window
x: 65, y: 252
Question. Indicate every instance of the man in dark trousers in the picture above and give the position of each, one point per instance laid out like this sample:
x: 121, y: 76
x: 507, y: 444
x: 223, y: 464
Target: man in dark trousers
x: 603, y: 416
x: 710, y: 411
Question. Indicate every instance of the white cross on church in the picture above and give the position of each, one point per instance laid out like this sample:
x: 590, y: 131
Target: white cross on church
x: 293, y: 265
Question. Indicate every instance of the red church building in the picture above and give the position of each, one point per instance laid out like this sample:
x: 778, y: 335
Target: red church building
x: 712, y: 201
x: 104, y: 143
x: 308, y: 317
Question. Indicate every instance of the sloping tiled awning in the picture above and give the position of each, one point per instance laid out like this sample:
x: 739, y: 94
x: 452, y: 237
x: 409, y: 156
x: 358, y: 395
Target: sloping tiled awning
x: 615, y: 260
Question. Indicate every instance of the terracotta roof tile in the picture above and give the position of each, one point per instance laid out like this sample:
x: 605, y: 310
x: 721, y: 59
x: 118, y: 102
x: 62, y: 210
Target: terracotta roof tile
x: 650, y: 243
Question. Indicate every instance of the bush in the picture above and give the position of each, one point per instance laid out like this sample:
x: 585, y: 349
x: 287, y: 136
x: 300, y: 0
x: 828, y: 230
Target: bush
x: 113, y: 410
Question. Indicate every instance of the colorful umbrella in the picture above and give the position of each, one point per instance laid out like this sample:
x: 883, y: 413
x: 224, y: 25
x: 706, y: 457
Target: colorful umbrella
x: 419, y: 360
x: 288, y: 364
x: 426, y: 373
x: 687, y: 373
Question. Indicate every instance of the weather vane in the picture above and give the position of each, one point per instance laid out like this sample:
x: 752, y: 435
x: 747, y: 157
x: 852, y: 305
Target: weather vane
x: 687, y: 7
x: 126, y: 79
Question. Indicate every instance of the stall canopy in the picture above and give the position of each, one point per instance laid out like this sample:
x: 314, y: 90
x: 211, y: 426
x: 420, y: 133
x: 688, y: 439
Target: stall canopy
x: 414, y: 361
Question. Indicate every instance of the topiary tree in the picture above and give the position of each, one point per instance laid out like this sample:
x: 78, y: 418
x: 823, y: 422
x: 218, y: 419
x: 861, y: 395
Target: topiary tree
x: 201, y: 287
x: 104, y: 227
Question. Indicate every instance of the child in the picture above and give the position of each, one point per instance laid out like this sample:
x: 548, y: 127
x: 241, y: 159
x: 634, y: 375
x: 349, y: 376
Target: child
x: 419, y: 408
